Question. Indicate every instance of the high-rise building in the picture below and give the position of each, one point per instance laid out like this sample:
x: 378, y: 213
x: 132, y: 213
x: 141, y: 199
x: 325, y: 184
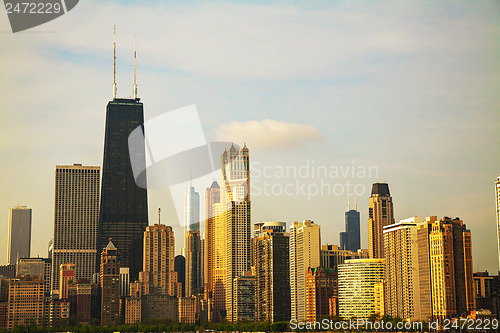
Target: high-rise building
x: 19, y: 234
x: 350, y: 239
x: 84, y: 302
x: 212, y: 196
x: 39, y: 267
x: 180, y: 269
x: 451, y: 268
x: 158, y: 269
x: 244, y: 297
x: 193, y: 263
x: 331, y: 256
x: 232, y: 226
x: 187, y: 310
x: 124, y: 281
x: 191, y: 209
x: 305, y: 242
x: 380, y: 214
x: 272, y: 272
x: 424, y: 267
x: 402, y: 288
x: 66, y: 276
x: 124, y: 204
x: 76, y: 213
x: 321, y: 287
x: 497, y: 192
x: 26, y: 300
x: 110, y: 285
x: 357, y: 283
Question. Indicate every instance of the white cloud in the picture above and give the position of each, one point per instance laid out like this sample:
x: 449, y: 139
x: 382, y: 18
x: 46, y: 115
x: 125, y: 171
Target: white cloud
x: 268, y: 133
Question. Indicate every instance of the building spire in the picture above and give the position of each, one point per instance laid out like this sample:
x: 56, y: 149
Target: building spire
x: 348, y: 202
x: 159, y: 211
x: 114, y: 61
x: 356, y: 200
x: 135, y: 71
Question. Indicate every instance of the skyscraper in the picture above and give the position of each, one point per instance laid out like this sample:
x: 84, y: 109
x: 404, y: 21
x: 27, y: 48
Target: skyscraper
x: 192, y: 241
x: 110, y: 285
x: 124, y: 205
x: 380, y: 214
x: 305, y: 242
x: 321, y: 286
x: 76, y: 213
x: 232, y: 228
x: 272, y: 275
x: 350, y: 238
x: 180, y: 269
x: 66, y: 275
x: 357, y: 281
x: 497, y: 192
x: 402, y: 287
x: 212, y: 196
x: 159, y: 252
x: 25, y: 304
x: 39, y: 267
x: 451, y: 268
x: 19, y: 234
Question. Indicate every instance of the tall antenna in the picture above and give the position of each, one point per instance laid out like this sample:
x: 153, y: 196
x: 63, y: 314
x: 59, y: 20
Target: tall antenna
x: 159, y: 211
x: 348, y: 202
x: 356, y: 198
x: 114, y: 61
x: 135, y: 71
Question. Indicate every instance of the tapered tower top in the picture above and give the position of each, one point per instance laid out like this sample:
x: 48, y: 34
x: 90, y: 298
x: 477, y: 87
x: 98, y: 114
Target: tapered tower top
x: 381, y: 189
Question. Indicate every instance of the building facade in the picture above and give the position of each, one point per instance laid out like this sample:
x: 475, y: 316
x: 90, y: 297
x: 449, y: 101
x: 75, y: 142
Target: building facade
x: 25, y: 302
x: 76, y: 214
x: 357, y: 280
x: 350, y: 239
x: 193, y: 263
x: 402, y: 288
x: 321, y: 287
x: 244, y: 297
x: 305, y: 242
x: 272, y: 272
x: 380, y: 214
x: 67, y: 275
x: 39, y: 267
x: 19, y: 234
x: 110, y: 285
x: 331, y: 256
x: 212, y: 196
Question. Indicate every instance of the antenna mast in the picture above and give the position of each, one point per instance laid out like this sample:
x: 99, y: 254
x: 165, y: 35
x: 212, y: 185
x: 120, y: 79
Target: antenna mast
x: 159, y: 211
x: 135, y: 71
x: 114, y: 61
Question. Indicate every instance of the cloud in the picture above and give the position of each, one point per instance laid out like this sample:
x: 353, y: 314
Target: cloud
x: 268, y: 133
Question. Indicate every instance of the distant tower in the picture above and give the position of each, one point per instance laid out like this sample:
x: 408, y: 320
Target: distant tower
x: 110, y: 285
x: 19, y: 234
x: 305, y: 244
x: 124, y: 205
x: 212, y: 196
x: 76, y: 214
x: 350, y: 239
x: 380, y: 214
x: 192, y: 242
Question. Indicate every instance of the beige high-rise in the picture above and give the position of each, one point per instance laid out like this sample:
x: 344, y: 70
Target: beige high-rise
x: 158, y: 268
x: 380, y: 214
x: 212, y: 196
x: 402, y: 288
x: 305, y: 243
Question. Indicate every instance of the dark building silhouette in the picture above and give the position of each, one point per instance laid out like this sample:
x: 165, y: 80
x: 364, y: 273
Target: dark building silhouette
x: 180, y: 268
x: 350, y: 238
x: 124, y: 206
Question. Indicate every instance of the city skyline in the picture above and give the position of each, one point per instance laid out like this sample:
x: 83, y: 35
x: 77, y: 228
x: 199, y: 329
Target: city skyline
x: 437, y: 97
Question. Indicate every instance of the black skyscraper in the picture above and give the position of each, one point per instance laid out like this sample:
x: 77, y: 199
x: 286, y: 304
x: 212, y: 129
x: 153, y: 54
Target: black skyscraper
x: 350, y: 239
x: 124, y: 205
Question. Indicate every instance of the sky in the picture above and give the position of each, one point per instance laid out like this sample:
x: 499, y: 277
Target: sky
x: 329, y: 97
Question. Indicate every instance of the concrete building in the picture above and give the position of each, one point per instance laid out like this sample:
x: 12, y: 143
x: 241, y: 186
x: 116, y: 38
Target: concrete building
x: 66, y: 275
x: 39, y: 267
x: 244, y: 297
x: 380, y: 214
x: 59, y: 313
x: 19, y: 234
x: 357, y: 280
x: 272, y: 271
x: 76, y: 216
x: 110, y: 285
x: 321, y: 287
x: 212, y: 196
x: 402, y: 288
x: 305, y: 242
x: 187, y: 310
x: 451, y: 268
x: 25, y: 302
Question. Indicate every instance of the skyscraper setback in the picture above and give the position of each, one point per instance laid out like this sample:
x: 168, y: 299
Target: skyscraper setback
x: 380, y: 214
x: 124, y: 205
x: 19, y: 234
x: 76, y: 213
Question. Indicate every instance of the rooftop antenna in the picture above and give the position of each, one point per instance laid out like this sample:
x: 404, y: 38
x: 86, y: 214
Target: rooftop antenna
x: 135, y: 71
x: 159, y: 211
x: 348, y: 202
x: 114, y: 61
x: 356, y: 198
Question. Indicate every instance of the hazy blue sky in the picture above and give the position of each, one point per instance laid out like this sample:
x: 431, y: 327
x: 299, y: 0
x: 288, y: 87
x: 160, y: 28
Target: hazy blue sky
x: 408, y: 88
